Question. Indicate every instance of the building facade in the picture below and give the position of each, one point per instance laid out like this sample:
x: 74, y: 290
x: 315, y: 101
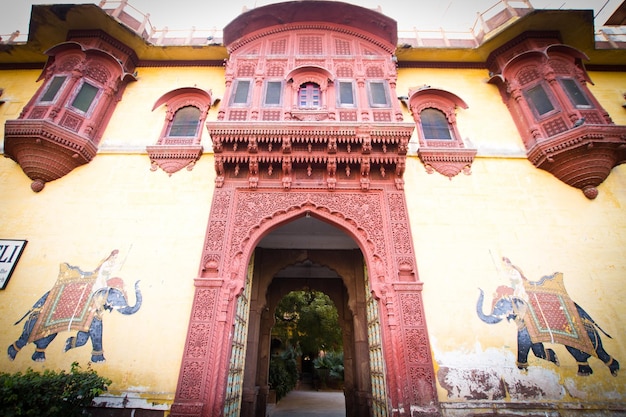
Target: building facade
x: 461, y: 201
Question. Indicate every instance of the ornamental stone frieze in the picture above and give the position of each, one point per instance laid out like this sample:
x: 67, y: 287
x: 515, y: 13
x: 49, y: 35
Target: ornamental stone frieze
x: 310, y: 155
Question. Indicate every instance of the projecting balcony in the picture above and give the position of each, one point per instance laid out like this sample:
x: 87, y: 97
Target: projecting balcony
x: 582, y: 157
x: 45, y: 150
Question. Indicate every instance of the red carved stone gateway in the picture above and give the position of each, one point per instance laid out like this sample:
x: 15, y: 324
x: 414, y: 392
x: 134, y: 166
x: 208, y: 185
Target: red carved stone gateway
x: 348, y: 176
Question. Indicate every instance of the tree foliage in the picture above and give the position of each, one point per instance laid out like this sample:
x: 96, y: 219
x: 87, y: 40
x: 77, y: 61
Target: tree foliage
x: 51, y: 393
x: 308, y: 320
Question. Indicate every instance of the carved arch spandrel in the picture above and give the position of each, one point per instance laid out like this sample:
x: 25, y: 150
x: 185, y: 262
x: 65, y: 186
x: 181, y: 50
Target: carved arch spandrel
x: 358, y: 214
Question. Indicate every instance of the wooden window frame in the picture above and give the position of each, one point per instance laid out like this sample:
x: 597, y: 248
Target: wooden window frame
x: 172, y: 153
x: 59, y: 89
x: 556, y: 108
x: 449, y: 130
x: 310, y: 102
x: 236, y: 84
x: 176, y: 118
x: 93, y: 103
x: 568, y: 94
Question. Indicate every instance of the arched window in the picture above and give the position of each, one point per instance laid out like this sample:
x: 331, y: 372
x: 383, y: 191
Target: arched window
x: 185, y: 122
x: 435, y: 125
x: 179, y: 144
x: 440, y: 146
x: 309, y: 96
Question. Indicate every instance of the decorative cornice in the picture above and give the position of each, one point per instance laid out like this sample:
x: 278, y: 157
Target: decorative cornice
x: 307, y: 27
x: 310, y: 154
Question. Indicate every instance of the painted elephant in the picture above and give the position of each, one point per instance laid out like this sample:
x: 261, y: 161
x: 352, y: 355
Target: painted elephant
x: 507, y: 305
x: 108, y: 298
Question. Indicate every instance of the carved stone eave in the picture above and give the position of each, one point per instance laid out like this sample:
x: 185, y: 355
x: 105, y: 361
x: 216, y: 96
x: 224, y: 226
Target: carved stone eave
x: 447, y: 161
x: 173, y: 158
x: 329, y: 155
x: 582, y: 157
x: 44, y: 150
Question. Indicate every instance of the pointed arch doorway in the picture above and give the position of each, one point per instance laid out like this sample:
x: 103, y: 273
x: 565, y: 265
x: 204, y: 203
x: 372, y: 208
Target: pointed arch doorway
x: 396, y: 373
x: 307, y: 253
x: 270, y: 178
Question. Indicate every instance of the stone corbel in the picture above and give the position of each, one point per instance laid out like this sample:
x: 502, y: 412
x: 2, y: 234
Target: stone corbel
x: 447, y: 161
x: 173, y: 158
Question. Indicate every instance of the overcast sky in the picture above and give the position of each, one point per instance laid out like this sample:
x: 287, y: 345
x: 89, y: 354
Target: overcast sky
x: 207, y: 14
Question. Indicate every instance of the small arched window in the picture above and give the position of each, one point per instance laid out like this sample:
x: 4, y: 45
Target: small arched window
x: 435, y: 125
x: 179, y: 144
x: 185, y: 122
x: 440, y: 146
x: 309, y: 96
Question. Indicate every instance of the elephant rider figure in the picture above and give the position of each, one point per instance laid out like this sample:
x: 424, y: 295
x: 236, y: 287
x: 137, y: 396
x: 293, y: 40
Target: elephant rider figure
x: 77, y: 302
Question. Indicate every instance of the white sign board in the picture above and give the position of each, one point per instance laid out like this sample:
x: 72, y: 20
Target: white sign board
x: 10, y: 252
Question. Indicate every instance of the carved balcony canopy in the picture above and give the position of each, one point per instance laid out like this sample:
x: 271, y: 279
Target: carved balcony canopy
x: 564, y: 128
x: 310, y: 155
x: 60, y: 127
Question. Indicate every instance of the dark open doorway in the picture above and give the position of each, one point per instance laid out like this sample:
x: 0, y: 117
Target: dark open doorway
x: 311, y: 256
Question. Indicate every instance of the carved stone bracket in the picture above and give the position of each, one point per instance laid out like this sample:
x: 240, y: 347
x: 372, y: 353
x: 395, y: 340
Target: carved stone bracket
x: 44, y: 150
x: 172, y: 158
x: 582, y: 157
x: 447, y: 161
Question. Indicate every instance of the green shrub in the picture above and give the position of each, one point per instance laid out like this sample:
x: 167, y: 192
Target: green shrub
x: 283, y: 375
x: 329, y: 368
x: 51, y: 393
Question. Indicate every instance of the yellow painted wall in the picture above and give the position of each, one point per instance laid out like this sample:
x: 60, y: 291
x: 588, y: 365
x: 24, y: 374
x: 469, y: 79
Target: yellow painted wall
x: 19, y: 86
x: 135, y: 124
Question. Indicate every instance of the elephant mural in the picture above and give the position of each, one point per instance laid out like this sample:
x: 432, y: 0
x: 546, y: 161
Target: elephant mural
x: 77, y: 302
x: 543, y: 313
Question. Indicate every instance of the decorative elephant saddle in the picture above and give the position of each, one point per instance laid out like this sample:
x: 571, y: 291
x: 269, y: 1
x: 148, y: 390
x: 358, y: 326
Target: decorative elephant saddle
x: 552, y: 316
x: 69, y: 305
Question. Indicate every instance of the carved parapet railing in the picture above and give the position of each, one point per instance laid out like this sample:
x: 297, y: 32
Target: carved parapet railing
x: 172, y: 158
x: 583, y: 156
x: 44, y: 150
x: 447, y: 161
x: 319, y: 155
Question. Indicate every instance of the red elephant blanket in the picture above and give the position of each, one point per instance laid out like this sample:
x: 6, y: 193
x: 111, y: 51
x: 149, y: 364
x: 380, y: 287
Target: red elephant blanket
x: 552, y: 316
x: 69, y: 305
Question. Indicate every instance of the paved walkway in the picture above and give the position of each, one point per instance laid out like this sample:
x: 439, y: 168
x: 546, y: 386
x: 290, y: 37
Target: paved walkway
x: 309, y: 403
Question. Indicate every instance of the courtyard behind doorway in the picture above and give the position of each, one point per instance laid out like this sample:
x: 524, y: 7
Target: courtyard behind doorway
x: 306, y: 402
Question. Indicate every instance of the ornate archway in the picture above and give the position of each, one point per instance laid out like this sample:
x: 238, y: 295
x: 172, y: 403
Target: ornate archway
x: 376, y: 220
x: 350, y: 176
